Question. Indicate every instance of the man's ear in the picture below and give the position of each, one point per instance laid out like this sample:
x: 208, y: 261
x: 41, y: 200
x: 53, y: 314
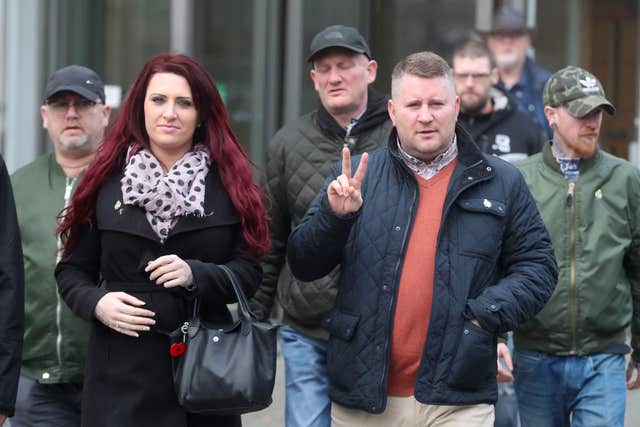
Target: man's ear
x: 312, y: 74
x: 551, y: 114
x: 372, y: 70
x: 43, y: 114
x: 494, y: 75
x: 390, y: 110
x: 107, y: 114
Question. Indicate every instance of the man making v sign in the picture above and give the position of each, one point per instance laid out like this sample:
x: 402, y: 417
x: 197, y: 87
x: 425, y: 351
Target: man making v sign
x: 427, y: 219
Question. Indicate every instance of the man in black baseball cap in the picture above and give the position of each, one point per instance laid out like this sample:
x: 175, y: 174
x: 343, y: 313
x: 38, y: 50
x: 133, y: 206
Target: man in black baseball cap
x: 55, y: 341
x: 300, y: 156
x: 339, y: 36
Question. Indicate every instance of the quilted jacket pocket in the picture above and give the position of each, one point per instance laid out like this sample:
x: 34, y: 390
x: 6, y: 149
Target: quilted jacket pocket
x: 475, y: 361
x: 341, y: 325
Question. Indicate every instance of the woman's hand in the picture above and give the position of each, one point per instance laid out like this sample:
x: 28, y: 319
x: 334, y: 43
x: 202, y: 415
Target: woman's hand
x: 170, y: 271
x: 122, y: 313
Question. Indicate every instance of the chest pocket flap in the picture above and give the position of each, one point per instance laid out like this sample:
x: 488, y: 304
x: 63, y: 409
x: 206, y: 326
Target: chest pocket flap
x: 483, y: 206
x: 480, y: 227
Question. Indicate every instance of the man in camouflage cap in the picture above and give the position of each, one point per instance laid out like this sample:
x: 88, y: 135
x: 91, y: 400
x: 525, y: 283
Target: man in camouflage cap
x: 570, y: 359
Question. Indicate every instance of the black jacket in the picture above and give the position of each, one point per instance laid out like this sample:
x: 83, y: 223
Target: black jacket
x: 494, y: 263
x: 506, y: 132
x: 300, y: 158
x: 128, y: 381
x: 11, y: 296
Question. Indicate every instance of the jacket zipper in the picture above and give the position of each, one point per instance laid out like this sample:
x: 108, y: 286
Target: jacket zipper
x: 572, y: 263
x: 67, y: 201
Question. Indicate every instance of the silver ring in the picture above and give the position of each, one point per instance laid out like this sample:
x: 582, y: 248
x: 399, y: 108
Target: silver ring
x: 118, y: 325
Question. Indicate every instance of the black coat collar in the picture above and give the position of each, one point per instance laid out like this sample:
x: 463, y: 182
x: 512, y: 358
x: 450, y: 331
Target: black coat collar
x: 112, y: 214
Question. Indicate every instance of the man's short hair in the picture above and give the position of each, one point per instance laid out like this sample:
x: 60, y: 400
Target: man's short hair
x: 473, y: 49
x: 427, y: 65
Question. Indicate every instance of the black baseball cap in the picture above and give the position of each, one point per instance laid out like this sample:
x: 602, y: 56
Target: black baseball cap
x: 77, y: 79
x: 338, y: 36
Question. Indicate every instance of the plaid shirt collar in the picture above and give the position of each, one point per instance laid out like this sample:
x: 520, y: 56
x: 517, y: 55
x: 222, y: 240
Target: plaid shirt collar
x: 431, y: 169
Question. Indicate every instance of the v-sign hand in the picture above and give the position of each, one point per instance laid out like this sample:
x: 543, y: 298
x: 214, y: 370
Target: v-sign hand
x: 344, y: 191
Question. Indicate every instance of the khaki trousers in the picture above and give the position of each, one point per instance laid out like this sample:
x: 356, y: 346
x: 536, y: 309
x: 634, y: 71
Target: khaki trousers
x: 408, y: 412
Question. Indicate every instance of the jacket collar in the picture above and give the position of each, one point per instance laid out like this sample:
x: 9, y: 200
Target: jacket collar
x: 375, y: 114
x: 468, y: 152
x: 114, y: 215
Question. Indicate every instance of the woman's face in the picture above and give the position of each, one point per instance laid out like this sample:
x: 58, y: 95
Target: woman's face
x: 170, y: 115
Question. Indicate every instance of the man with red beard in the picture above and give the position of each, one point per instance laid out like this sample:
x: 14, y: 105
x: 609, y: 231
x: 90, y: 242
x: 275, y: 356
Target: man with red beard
x: 569, y: 361
x: 488, y: 112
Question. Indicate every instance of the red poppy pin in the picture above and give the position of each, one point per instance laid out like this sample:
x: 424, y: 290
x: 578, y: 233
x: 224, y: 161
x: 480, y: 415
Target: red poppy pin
x: 177, y: 349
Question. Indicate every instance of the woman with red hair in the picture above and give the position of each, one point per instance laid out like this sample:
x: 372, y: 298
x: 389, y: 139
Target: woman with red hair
x: 169, y: 197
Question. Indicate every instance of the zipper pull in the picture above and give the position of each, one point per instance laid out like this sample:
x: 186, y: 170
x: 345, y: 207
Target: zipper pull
x: 570, y: 193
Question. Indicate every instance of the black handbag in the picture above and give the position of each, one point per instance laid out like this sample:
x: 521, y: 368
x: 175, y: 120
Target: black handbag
x: 225, y: 369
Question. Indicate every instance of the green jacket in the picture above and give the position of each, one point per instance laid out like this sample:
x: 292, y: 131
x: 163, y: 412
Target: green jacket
x: 55, y: 341
x: 595, y: 228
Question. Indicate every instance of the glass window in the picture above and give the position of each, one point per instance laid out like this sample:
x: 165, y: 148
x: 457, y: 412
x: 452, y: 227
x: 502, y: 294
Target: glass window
x: 234, y: 39
x: 392, y: 29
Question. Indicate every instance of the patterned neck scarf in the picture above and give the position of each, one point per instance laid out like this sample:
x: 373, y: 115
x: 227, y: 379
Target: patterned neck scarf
x: 570, y: 167
x: 430, y: 170
x: 166, y: 197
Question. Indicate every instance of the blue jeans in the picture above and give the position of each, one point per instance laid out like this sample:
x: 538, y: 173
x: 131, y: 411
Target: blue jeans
x: 558, y: 391
x: 47, y: 405
x: 307, y: 385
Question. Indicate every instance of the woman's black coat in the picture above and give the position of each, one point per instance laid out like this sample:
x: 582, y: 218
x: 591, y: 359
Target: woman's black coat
x: 129, y: 380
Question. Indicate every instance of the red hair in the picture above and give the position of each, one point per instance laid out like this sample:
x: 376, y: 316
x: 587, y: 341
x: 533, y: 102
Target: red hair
x: 214, y: 131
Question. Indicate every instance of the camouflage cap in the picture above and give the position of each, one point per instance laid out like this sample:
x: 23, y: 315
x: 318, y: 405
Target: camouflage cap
x: 577, y: 90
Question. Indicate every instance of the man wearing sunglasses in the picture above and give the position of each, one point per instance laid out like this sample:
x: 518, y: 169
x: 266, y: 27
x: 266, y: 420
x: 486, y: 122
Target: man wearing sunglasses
x: 75, y: 116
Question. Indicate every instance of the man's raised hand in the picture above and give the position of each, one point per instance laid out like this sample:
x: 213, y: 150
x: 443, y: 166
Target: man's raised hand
x: 344, y: 191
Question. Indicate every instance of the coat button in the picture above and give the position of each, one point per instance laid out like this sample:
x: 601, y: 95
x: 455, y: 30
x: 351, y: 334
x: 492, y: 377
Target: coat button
x: 489, y: 169
x: 470, y: 178
x: 466, y: 332
x: 493, y: 307
x: 397, y: 228
x: 45, y: 375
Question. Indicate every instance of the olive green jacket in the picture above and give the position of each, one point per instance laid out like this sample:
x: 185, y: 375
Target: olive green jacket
x: 55, y: 341
x: 595, y: 228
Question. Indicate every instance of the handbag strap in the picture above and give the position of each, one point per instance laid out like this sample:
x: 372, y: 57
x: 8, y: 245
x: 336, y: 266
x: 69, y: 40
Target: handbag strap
x: 243, y: 303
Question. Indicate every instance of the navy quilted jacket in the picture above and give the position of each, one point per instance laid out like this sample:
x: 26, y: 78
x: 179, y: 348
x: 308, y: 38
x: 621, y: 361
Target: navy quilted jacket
x: 495, y: 263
